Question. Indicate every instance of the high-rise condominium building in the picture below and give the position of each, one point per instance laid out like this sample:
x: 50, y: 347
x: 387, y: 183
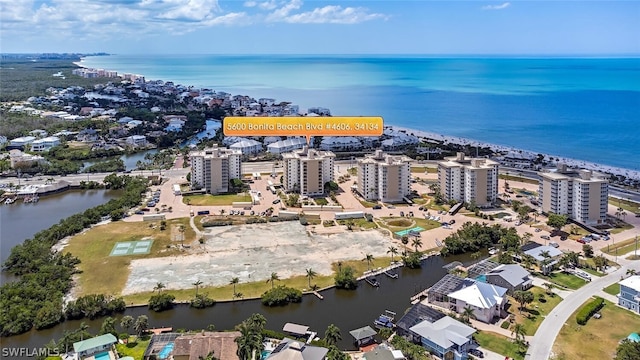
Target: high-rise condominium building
x: 384, y: 177
x: 213, y: 168
x: 307, y: 170
x: 577, y: 194
x: 472, y: 180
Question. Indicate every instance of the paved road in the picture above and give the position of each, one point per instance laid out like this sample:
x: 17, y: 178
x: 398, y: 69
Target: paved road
x: 542, y: 342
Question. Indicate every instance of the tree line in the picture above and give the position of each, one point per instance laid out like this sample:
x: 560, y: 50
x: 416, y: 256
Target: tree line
x: 35, y: 300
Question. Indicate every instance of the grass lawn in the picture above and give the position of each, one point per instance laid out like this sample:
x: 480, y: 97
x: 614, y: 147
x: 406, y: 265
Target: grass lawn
x: 210, y: 200
x: 93, y: 247
x: 564, y: 280
x: 534, y: 313
x: 622, y: 228
x: 424, y: 169
x: 367, y: 204
x: 621, y: 248
x: 597, y: 339
x: 628, y: 205
x: 612, y: 289
x: 135, y: 347
x: 397, y: 223
x: 361, y: 223
x: 499, y: 344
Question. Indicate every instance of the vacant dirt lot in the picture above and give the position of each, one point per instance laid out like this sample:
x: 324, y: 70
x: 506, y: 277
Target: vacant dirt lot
x: 253, y: 252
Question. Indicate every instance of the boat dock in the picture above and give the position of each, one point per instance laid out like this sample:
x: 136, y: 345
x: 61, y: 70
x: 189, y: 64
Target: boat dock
x: 391, y: 275
x: 419, y: 296
x: 158, y: 331
x: 372, y: 281
x: 318, y: 295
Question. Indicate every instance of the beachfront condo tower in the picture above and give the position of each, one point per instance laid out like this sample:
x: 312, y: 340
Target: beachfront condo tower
x: 384, y: 177
x: 577, y: 194
x: 213, y: 168
x: 471, y: 180
x: 307, y: 170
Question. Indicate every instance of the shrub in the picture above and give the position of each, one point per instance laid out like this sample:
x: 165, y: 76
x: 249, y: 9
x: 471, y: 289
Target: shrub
x: 266, y: 333
x: 201, y: 301
x: 213, y: 223
x: 281, y: 295
x: 345, y: 279
x: 412, y: 261
x: 587, y: 311
x: 505, y: 325
x: 161, y: 302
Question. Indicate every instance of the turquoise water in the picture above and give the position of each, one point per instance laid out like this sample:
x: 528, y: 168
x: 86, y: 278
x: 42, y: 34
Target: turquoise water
x: 581, y: 108
x: 102, y: 356
x: 264, y: 354
x: 406, y: 231
x: 166, y: 350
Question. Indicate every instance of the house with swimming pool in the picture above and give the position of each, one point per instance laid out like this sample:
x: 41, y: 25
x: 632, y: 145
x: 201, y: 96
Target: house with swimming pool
x: 98, y: 348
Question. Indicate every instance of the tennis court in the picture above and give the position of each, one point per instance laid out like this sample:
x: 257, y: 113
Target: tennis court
x: 416, y: 229
x: 132, y: 248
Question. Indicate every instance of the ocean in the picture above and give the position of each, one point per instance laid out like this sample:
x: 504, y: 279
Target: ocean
x: 580, y: 108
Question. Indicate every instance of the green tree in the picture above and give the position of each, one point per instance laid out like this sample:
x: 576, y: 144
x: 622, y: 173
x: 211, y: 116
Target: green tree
x: 234, y: 281
x: 126, y: 323
x: 405, y: 241
x: 161, y: 302
x: 628, y: 350
x: 332, y: 335
x: 369, y: 258
x: 159, y: 286
x: 587, y: 250
x: 197, y: 285
x: 416, y: 242
x: 274, y: 277
x: 393, y: 251
x: 336, y: 354
x: 467, y: 314
x: 141, y: 325
x: 108, y: 326
x: 549, y: 287
x: 523, y: 298
x: 528, y: 261
x: 310, y: 275
x: 556, y: 221
x: 600, y: 262
x: 346, y: 279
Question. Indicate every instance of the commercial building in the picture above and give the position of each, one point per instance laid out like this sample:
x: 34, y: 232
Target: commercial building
x: 472, y: 180
x: 213, y: 168
x: 384, y: 177
x: 307, y: 170
x: 577, y: 194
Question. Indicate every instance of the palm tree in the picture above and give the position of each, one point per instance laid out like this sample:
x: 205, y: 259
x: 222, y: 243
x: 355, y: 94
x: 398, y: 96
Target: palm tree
x: 332, y: 335
x: 233, y: 282
x: 548, y: 286
x: 126, y: 323
x: 416, y: 243
x: 237, y: 295
x: 368, y: 259
x: 393, y: 251
x: 141, y: 325
x: 248, y: 341
x: 528, y: 260
x: 273, y: 278
x: 310, y: 275
x: 467, y: 314
x: 197, y: 285
x: 159, y: 286
x: 404, y: 240
x: 631, y: 272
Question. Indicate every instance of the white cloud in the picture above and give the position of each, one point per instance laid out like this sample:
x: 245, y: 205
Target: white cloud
x: 282, y: 13
x: 268, y: 5
x: 250, y: 4
x: 496, y: 7
x: 194, y: 10
x: 15, y: 11
x: 229, y: 19
x: 334, y: 14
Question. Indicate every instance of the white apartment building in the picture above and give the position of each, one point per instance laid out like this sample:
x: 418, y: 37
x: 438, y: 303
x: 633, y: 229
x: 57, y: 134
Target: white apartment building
x: 578, y: 195
x: 307, y: 170
x: 213, y: 168
x: 45, y: 144
x: 468, y: 179
x: 384, y: 177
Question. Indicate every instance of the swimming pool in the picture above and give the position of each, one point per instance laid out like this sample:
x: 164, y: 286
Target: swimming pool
x: 264, y: 354
x: 102, y: 356
x: 166, y: 350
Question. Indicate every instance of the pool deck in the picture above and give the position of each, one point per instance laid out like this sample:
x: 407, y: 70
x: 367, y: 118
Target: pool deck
x: 111, y: 356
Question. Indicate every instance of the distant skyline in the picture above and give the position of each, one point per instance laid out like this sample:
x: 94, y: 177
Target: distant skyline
x: 477, y: 27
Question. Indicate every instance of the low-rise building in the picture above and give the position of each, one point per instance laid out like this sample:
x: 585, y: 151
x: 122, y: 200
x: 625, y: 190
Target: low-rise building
x: 247, y: 147
x: 446, y: 338
x: 289, y: 349
x: 629, y: 296
x: 199, y: 345
x: 512, y: 277
x: 22, y: 141
x: 87, y: 348
x: 45, y: 144
x: 487, y: 301
x: 545, y: 256
x: 18, y: 159
x: 136, y: 140
x: 283, y: 146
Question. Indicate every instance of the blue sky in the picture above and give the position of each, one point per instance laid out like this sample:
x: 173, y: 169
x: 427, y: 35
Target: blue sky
x: 321, y: 27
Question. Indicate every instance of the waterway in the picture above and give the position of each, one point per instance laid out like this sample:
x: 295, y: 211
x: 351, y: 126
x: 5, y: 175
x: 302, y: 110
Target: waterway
x: 130, y: 160
x: 20, y: 221
x: 346, y: 309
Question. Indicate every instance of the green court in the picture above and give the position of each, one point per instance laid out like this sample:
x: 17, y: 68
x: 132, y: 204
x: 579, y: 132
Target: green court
x: 131, y: 248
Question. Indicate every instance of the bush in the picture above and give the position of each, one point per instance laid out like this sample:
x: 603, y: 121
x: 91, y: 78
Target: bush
x: 505, y: 325
x: 266, y: 333
x: 161, y: 302
x: 345, y: 279
x: 201, y: 301
x: 213, y: 223
x: 281, y: 295
x: 412, y: 261
x: 587, y: 311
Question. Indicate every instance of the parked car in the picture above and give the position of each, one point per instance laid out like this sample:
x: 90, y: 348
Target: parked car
x: 581, y: 241
x: 546, y: 237
x: 554, y: 244
x: 476, y: 353
x: 377, y: 207
x: 452, y: 222
x: 538, y: 229
x: 276, y: 201
x: 402, y: 213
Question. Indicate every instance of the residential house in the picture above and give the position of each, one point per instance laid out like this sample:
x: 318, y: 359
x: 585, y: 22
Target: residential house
x: 551, y: 259
x: 136, y: 140
x: 446, y: 338
x: 39, y: 133
x: 18, y: 158
x: 283, y: 146
x: 87, y: 135
x: 383, y: 352
x: 87, y: 348
x: 629, y: 296
x: 21, y: 142
x: 289, y: 349
x: 247, y: 147
x: 363, y: 335
x: 509, y: 276
x: 486, y: 300
x: 199, y: 345
x: 45, y: 144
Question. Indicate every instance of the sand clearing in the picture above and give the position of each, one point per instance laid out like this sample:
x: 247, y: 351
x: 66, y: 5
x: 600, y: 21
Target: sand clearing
x: 252, y: 253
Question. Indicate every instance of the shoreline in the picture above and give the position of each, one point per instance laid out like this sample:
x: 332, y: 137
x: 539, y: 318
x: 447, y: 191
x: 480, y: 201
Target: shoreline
x: 589, y: 165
